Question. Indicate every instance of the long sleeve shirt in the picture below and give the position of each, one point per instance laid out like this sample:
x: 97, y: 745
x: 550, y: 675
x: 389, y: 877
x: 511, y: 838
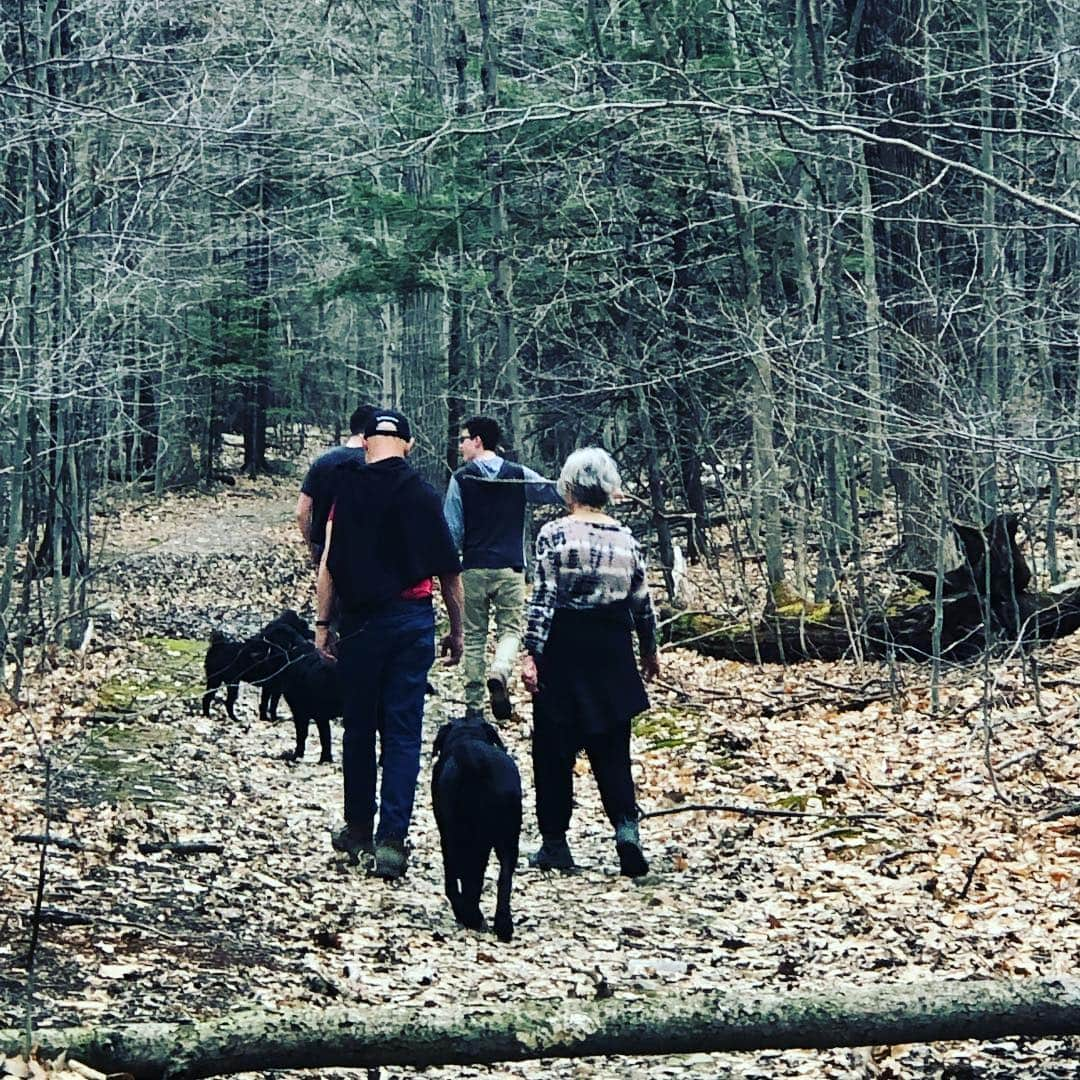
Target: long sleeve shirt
x: 584, y: 564
x: 537, y: 491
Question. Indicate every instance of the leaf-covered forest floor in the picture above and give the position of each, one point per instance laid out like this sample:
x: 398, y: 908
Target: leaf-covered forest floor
x: 959, y: 879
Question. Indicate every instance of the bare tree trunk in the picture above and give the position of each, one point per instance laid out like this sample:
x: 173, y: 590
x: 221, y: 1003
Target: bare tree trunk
x: 423, y: 345
x: 35, y: 37
x: 689, y: 430
x: 457, y: 351
x: 875, y: 390
x: 656, y: 491
x: 991, y: 374
x: 759, y: 370
x: 257, y: 267
x: 883, y: 40
x: 502, y: 278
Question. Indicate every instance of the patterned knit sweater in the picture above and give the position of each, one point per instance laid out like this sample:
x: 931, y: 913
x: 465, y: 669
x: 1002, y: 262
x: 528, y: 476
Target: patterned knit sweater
x: 585, y: 564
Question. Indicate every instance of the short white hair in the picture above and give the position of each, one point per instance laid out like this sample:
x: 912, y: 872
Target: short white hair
x: 589, y: 478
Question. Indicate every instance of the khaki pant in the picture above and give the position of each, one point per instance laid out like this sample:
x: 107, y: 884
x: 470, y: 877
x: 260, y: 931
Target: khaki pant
x: 503, y: 593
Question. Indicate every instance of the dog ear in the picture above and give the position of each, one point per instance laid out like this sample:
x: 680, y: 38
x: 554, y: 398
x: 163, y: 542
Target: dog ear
x: 492, y: 736
x: 440, y: 739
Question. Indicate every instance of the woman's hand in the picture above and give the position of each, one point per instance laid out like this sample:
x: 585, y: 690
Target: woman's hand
x: 529, y: 676
x: 650, y: 667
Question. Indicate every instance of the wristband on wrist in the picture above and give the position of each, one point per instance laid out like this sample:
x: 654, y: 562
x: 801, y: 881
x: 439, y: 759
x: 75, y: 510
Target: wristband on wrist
x: 322, y: 624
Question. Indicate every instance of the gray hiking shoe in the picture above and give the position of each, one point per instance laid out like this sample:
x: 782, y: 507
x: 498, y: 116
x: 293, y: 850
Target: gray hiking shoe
x: 391, y: 858
x: 554, y: 854
x: 632, y: 861
x: 354, y: 840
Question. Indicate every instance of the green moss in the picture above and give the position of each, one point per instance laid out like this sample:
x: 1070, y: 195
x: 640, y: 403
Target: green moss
x: 124, y: 761
x: 172, y: 668
x: 119, y: 694
x: 699, y: 625
x: 178, y: 646
x: 907, y: 599
x: 793, y: 801
x: 726, y: 764
x: 846, y: 834
x: 784, y: 596
x: 671, y: 726
x: 803, y: 609
x: 121, y: 762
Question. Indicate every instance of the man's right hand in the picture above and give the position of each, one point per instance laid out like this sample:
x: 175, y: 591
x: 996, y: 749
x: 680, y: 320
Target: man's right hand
x: 451, y: 648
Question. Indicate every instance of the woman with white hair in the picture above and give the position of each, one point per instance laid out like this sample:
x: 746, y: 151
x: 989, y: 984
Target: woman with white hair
x: 589, y: 595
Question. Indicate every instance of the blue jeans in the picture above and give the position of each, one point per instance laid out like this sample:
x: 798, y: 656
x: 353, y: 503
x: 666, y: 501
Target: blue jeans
x: 384, y: 658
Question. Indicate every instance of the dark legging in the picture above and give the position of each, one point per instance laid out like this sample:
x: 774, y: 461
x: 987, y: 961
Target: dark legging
x: 554, y: 751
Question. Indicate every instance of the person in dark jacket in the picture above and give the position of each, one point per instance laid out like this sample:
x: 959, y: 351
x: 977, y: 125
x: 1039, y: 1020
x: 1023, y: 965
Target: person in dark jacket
x: 590, y: 594
x: 317, y: 491
x: 485, y: 508
x: 386, y: 539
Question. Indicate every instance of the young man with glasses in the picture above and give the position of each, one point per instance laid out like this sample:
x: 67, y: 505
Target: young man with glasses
x: 485, y: 508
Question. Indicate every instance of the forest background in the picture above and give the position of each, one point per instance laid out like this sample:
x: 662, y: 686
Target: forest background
x: 814, y: 260
x: 808, y: 269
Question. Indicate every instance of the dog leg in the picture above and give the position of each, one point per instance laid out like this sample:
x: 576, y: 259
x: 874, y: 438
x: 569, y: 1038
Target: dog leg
x: 506, y: 851
x: 208, y: 697
x: 325, y: 741
x: 450, y: 880
x: 473, y: 865
x: 504, y: 921
x: 230, y: 699
x: 302, y: 724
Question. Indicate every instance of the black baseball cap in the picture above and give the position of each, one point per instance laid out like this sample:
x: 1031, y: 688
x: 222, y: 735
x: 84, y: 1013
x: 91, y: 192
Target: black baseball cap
x: 388, y: 422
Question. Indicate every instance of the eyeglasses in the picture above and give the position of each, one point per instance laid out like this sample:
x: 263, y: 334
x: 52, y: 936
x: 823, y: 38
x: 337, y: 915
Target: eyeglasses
x: 467, y: 438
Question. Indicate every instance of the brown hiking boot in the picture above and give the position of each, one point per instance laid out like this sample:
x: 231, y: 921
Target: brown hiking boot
x: 500, y: 697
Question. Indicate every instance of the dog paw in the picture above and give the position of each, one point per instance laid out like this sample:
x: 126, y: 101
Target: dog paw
x: 504, y: 929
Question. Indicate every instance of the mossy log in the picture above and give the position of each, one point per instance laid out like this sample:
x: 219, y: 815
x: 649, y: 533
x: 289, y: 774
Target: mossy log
x: 789, y: 637
x: 985, y: 603
x: 737, y: 1019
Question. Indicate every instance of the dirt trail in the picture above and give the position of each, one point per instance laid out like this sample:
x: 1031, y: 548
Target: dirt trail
x: 234, y: 521
x: 277, y: 919
x: 195, y: 563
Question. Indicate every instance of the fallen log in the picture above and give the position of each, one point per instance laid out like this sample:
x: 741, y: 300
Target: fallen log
x: 656, y: 1024
x: 791, y: 636
x: 985, y: 603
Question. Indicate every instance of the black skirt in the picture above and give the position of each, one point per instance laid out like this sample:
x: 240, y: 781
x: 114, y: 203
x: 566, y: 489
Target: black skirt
x: 589, y: 681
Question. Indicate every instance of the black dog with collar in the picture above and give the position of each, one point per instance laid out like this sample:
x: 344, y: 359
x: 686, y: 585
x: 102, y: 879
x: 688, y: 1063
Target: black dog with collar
x: 476, y: 793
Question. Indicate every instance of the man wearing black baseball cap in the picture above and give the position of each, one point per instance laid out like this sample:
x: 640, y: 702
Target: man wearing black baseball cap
x: 385, y: 542
x: 317, y: 492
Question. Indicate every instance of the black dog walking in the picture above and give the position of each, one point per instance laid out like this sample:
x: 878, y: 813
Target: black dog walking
x: 476, y: 794
x: 282, y: 660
